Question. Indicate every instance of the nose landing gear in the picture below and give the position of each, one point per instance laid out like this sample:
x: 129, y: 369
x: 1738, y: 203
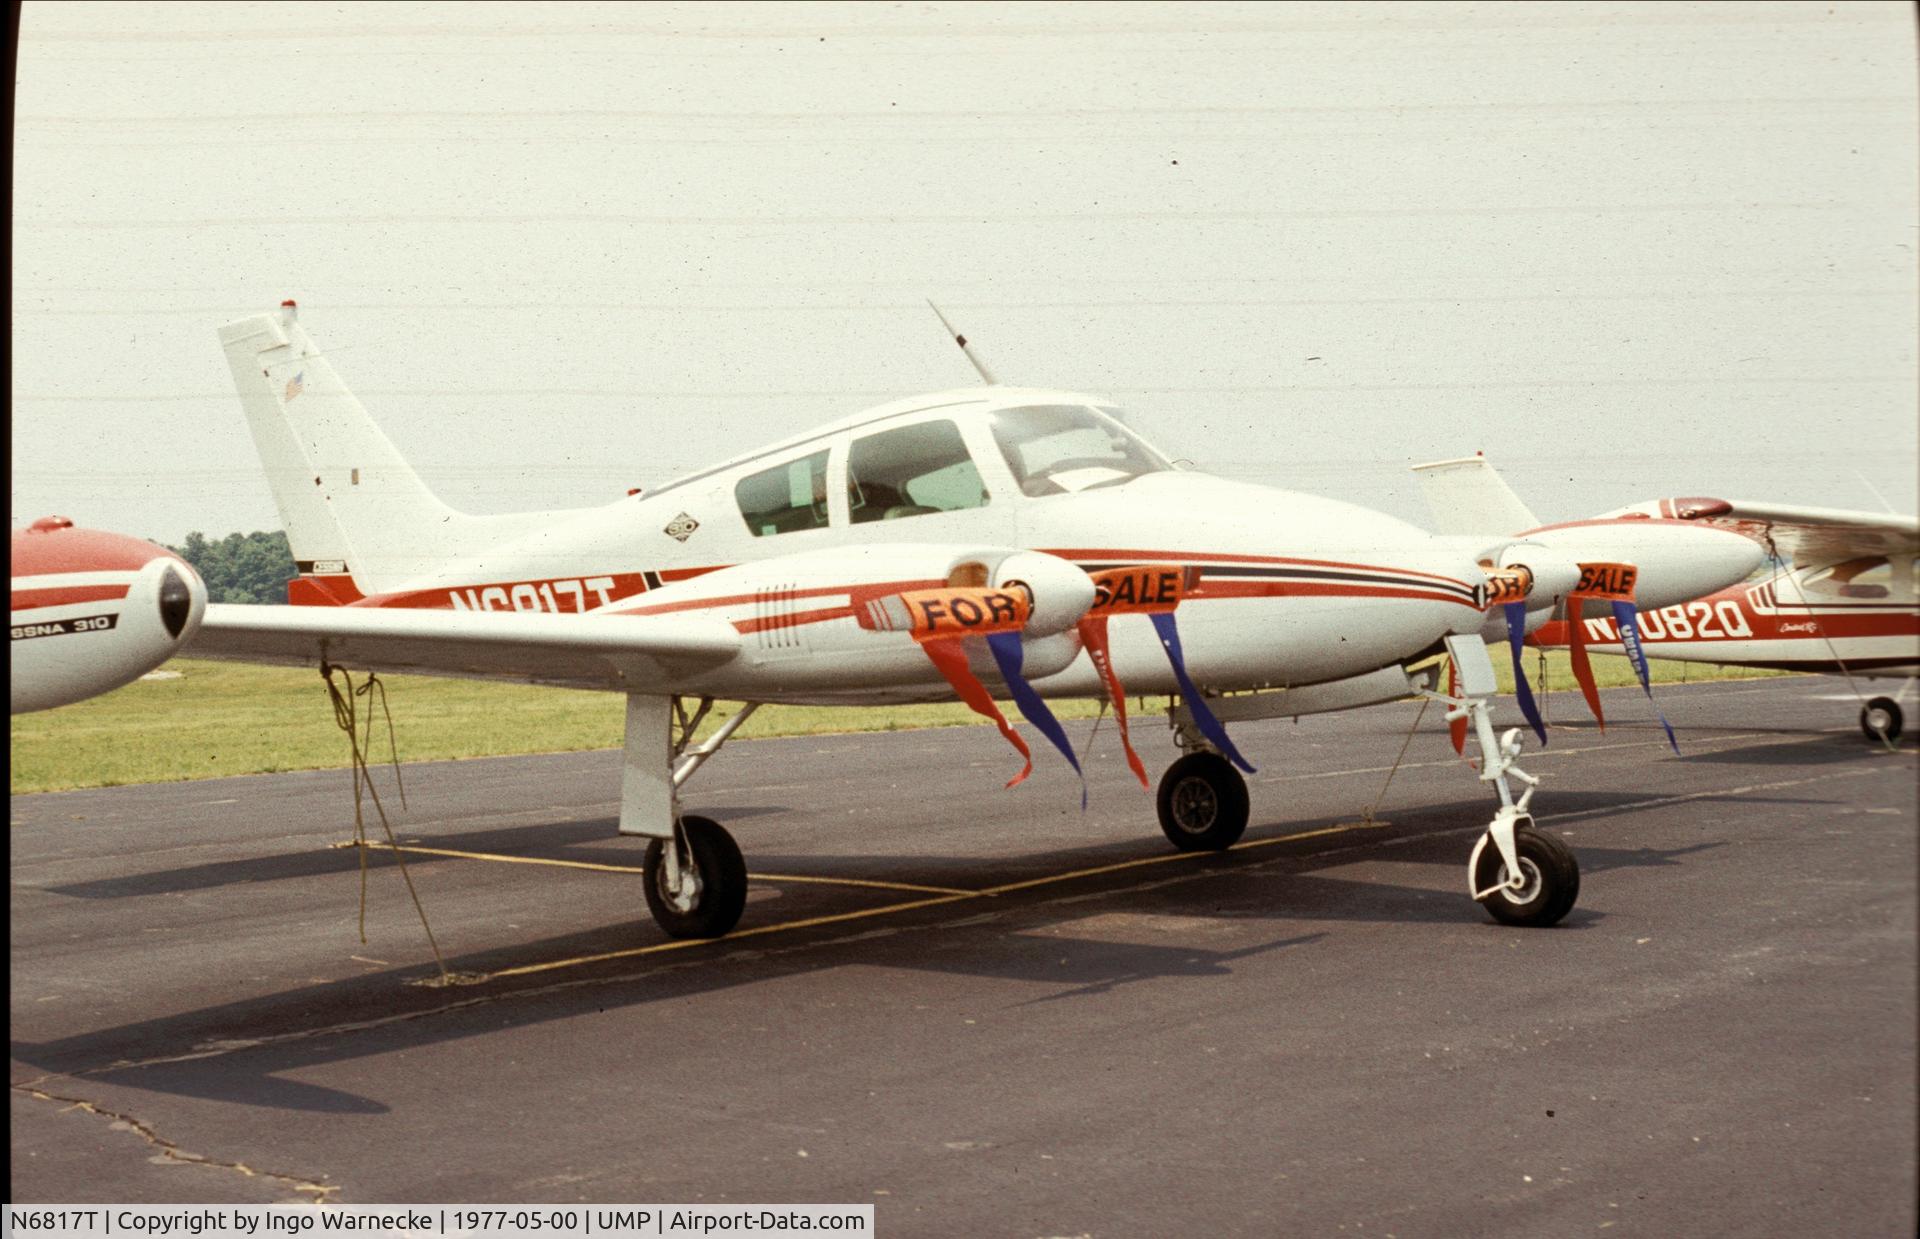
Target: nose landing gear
x: 1522, y: 876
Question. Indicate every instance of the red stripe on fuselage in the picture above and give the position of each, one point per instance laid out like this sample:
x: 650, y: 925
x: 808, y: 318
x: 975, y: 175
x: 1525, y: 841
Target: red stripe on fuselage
x: 1215, y: 588
x: 65, y: 595
x: 1100, y: 554
x: 670, y: 575
x: 1624, y: 520
x: 860, y: 595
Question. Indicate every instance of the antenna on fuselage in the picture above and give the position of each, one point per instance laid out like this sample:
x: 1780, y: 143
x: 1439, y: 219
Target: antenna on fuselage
x: 986, y: 376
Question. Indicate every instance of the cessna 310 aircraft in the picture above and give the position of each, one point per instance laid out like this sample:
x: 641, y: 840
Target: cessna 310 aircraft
x: 1840, y: 597
x: 135, y: 603
x: 1021, y: 536
x: 1841, y: 600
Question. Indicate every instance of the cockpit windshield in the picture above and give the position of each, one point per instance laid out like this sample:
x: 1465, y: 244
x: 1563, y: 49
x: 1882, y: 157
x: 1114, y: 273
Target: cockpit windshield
x: 1056, y: 449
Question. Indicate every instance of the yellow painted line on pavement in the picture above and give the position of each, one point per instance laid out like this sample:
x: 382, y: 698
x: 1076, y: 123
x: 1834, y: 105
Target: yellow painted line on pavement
x: 868, y: 882
x: 910, y: 887
x: 682, y: 943
x: 510, y: 860
x: 956, y: 896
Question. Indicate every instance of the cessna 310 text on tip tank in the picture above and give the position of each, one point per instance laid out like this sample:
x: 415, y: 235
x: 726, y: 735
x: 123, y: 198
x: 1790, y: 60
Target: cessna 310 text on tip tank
x: 1015, y: 537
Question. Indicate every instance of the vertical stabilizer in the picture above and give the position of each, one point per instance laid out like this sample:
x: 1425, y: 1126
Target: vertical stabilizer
x: 1467, y: 496
x: 359, y: 519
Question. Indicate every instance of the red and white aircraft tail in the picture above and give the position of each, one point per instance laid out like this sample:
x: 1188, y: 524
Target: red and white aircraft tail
x: 359, y: 520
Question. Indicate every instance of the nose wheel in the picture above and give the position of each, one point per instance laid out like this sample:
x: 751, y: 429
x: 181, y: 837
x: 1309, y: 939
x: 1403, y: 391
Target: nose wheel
x: 1881, y: 719
x: 704, y: 893
x: 1203, y: 803
x: 1541, y: 893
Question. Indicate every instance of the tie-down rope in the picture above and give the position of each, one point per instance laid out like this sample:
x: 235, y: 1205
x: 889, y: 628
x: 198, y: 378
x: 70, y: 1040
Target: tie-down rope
x: 1367, y: 818
x: 346, y: 717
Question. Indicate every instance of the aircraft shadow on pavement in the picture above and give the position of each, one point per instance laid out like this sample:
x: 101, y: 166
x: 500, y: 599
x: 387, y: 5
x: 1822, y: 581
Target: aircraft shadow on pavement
x: 244, y: 1052
x: 545, y: 839
x: 1816, y: 750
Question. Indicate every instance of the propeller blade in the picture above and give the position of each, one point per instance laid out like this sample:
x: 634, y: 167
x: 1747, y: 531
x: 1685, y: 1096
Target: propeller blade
x: 949, y: 656
x: 941, y: 620
x: 1523, y: 691
x: 1008, y: 654
x: 1611, y: 583
x: 1624, y: 615
x: 1093, y: 635
x: 1509, y: 589
x: 1203, y: 718
x: 1577, y: 655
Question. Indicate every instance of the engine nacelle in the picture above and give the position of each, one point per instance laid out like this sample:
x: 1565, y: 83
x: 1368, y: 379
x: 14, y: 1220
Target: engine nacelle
x: 93, y: 611
x: 1677, y: 562
x: 833, y: 620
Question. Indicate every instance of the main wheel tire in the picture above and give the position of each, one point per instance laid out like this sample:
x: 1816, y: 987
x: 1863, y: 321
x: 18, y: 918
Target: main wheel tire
x: 1203, y: 803
x: 1552, y: 880
x: 1881, y: 719
x: 719, y: 873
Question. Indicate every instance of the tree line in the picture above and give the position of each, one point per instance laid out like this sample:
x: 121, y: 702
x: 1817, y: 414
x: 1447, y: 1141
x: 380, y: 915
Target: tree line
x: 251, y: 567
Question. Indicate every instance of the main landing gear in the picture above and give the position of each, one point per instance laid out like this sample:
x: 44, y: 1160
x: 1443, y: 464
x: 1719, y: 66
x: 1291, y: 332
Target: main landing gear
x: 694, y: 875
x: 1203, y: 803
x: 1881, y: 719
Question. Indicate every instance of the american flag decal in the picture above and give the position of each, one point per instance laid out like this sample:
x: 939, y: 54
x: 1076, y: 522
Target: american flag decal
x: 295, y: 385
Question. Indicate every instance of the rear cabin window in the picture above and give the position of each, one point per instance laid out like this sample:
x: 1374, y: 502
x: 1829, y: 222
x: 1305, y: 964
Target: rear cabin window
x: 786, y: 498
x: 912, y: 471
x: 1857, y: 578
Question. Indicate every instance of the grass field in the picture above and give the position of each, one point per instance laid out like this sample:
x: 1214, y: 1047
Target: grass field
x: 228, y: 718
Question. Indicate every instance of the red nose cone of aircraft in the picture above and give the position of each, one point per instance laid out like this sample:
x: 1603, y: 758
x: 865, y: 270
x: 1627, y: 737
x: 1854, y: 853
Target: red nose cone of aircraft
x: 54, y: 544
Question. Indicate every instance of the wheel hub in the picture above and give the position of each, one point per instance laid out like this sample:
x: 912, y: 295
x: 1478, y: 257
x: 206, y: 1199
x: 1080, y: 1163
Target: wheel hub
x: 687, y: 896
x: 1526, y: 887
x: 1194, y: 805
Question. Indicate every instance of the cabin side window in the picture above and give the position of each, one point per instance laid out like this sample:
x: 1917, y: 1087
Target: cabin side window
x: 786, y: 498
x: 1857, y: 578
x: 911, y: 471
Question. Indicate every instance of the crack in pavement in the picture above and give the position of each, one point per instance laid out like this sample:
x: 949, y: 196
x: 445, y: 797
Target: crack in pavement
x: 314, y: 1193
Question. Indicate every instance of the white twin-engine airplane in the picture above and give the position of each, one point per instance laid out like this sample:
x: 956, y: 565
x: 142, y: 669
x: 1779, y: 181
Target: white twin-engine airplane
x: 1839, y: 596
x: 1013, y: 537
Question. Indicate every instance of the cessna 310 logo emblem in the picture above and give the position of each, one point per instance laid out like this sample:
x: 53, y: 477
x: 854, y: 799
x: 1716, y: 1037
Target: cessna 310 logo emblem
x: 682, y: 527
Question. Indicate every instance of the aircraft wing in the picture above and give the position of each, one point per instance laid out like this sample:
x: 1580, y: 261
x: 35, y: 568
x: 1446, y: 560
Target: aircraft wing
x: 626, y: 653
x: 1827, y: 535
x: 1808, y: 536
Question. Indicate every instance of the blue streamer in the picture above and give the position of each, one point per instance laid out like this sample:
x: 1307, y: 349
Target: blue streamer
x: 1008, y: 654
x: 1523, y: 691
x: 1623, y: 613
x: 1196, y: 704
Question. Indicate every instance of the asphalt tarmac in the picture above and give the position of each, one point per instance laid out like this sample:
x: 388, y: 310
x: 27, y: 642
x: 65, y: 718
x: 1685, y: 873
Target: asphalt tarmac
x: 990, y: 1014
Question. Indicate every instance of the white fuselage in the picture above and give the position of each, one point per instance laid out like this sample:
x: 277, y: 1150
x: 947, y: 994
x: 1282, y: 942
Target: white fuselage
x: 1294, y: 589
x: 1796, y: 620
